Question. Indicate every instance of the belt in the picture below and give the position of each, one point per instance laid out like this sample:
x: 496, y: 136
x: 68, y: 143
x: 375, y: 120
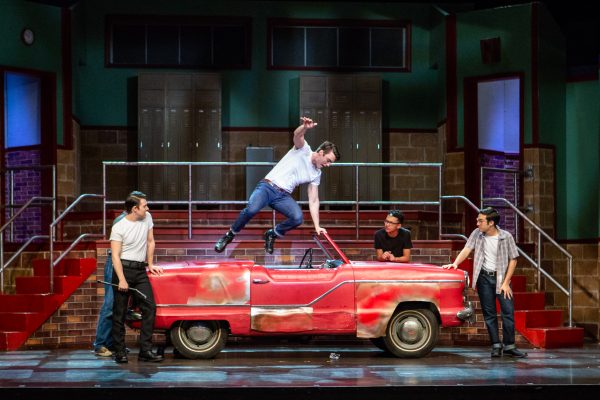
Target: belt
x: 134, y: 264
x: 274, y: 186
x: 488, y: 273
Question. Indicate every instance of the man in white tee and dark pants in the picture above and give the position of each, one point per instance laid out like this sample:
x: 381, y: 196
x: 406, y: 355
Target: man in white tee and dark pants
x: 300, y: 165
x: 494, y: 264
x: 132, y: 246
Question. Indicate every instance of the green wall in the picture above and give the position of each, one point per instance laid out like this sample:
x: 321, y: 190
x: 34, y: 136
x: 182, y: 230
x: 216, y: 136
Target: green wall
x: 44, y: 54
x: 582, y: 164
x: 512, y: 25
x: 255, y: 97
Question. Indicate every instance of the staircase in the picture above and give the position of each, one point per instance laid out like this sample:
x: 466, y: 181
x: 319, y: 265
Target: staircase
x: 542, y: 328
x: 25, y: 311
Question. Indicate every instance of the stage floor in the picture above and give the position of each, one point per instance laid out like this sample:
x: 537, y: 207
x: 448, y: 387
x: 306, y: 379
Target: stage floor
x: 292, y: 371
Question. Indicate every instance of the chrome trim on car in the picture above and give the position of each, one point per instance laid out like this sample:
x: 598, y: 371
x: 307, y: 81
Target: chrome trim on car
x: 318, y: 298
x: 468, y: 314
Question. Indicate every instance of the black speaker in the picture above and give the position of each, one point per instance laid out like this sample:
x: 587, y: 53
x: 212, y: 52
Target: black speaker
x: 490, y: 50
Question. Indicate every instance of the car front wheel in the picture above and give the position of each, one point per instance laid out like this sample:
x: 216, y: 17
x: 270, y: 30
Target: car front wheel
x: 199, y: 339
x: 412, y: 333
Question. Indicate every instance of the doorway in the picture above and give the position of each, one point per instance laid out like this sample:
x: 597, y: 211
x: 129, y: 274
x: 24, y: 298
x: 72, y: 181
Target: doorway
x: 494, y: 143
x: 27, y: 141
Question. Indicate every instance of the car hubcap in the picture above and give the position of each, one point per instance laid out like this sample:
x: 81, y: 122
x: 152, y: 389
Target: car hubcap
x: 199, y: 333
x: 410, y: 331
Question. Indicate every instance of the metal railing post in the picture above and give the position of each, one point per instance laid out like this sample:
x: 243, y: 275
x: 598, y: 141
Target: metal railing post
x: 570, y: 291
x: 357, y: 206
x: 189, y: 201
x: 440, y: 200
x: 539, y: 260
x: 1, y: 262
x: 104, y: 200
x: 12, y: 203
x: 51, y: 251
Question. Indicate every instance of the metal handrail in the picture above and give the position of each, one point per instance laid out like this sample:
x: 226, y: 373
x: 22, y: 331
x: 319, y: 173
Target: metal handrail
x: 67, y: 210
x: 9, y: 223
x: 190, y: 203
x: 515, y: 174
x: 539, y: 248
x: 11, y: 186
x: 538, y: 265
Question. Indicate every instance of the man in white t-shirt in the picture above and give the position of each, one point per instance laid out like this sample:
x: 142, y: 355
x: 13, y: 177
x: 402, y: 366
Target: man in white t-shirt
x: 300, y: 165
x: 132, y: 246
x: 494, y: 264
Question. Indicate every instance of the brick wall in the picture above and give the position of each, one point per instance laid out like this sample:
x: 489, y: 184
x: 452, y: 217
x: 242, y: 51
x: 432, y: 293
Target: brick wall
x: 538, y: 191
x: 108, y: 144
x: 27, y: 183
x: 586, y: 284
x: 501, y: 184
x: 412, y: 183
x: 68, y: 173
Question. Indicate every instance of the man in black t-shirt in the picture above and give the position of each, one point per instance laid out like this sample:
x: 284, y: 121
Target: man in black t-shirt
x: 393, y: 243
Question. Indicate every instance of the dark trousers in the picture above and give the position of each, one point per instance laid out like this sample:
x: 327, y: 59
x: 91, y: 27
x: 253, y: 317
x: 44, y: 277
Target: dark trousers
x: 486, y: 289
x: 136, y: 278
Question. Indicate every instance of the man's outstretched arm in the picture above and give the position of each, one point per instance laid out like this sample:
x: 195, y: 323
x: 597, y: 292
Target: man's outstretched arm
x: 300, y: 131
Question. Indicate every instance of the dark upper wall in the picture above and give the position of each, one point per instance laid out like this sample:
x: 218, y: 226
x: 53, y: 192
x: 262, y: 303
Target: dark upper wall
x: 255, y: 97
x: 44, y: 54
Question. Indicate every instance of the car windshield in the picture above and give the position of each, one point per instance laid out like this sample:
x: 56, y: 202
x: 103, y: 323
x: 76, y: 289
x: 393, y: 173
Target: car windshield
x: 330, y: 248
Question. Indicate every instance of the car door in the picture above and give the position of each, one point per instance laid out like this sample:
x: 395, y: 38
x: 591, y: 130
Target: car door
x: 289, y: 300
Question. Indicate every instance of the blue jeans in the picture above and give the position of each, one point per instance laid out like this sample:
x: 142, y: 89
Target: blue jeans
x: 486, y: 289
x: 279, y: 200
x: 104, y: 328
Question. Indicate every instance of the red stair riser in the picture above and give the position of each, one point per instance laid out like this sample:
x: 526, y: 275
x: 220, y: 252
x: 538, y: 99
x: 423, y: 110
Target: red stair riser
x: 27, y: 302
x: 18, y: 321
x: 538, y: 318
x: 18, y: 326
x: 519, y: 283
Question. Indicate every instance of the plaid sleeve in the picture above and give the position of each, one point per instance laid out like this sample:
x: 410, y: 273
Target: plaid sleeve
x: 472, y: 239
x: 513, y: 252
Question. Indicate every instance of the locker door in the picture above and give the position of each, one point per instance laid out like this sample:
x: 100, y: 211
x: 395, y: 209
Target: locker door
x: 368, y: 134
x: 313, y: 104
x: 177, y: 135
x: 207, y: 144
x: 341, y: 128
x: 151, y: 114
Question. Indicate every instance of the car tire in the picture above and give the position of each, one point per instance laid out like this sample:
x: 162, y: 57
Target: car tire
x: 199, y: 339
x: 412, y: 333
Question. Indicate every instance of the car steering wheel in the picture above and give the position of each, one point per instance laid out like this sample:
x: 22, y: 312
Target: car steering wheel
x: 308, y: 264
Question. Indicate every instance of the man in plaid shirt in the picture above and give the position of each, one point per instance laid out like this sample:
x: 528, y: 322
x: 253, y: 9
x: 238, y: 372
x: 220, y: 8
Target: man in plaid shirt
x: 494, y: 264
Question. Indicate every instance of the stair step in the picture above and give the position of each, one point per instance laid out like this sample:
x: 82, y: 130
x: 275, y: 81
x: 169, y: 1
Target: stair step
x: 18, y: 321
x: 555, y: 337
x: 67, y: 267
x: 11, y: 340
x: 519, y: 283
x: 527, y: 319
x: 41, y: 284
x: 527, y: 301
x: 27, y: 302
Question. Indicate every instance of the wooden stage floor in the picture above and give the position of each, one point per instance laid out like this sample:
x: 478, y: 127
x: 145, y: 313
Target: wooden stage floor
x: 292, y: 371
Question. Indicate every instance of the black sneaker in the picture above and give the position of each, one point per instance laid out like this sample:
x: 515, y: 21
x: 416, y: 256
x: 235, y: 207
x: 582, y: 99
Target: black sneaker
x: 270, y: 237
x: 149, y: 356
x: 496, y: 352
x: 515, y: 353
x: 224, y: 241
x: 121, y: 358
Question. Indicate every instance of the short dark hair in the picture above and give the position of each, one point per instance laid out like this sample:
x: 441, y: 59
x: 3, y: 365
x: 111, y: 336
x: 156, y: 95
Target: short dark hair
x: 133, y: 200
x: 491, y: 214
x: 328, y: 147
x: 397, y: 214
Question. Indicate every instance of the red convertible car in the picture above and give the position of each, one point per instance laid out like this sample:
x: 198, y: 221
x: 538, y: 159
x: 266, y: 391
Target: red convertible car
x: 400, y: 307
